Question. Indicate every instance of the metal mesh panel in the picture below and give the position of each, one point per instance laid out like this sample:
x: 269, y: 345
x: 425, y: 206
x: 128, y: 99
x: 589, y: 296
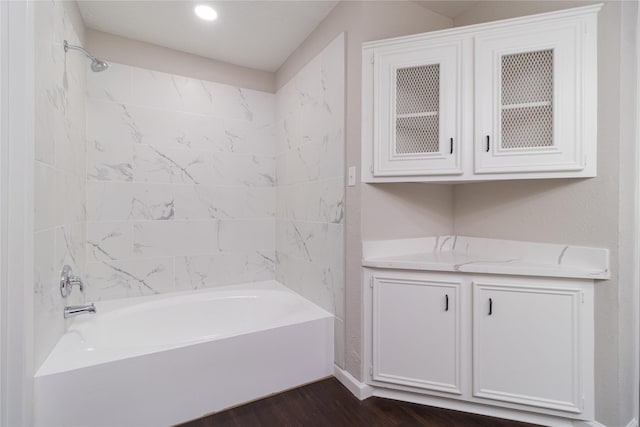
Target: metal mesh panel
x: 417, y: 105
x: 527, y: 127
x: 527, y: 100
x: 418, y: 89
x: 527, y: 77
x: 417, y: 134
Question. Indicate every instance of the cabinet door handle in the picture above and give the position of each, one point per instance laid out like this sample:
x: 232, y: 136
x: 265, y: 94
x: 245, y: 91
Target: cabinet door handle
x: 487, y: 143
x: 490, y: 306
x: 446, y: 302
x: 450, y: 145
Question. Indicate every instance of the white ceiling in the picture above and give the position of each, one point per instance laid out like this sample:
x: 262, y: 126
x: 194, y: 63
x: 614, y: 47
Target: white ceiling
x: 255, y: 34
x: 448, y: 8
x: 258, y: 34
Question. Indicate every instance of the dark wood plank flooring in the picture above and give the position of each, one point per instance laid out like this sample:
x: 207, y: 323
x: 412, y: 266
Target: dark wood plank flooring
x: 328, y: 403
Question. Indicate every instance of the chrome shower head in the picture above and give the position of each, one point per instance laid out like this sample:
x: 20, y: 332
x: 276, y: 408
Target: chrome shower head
x: 96, y: 64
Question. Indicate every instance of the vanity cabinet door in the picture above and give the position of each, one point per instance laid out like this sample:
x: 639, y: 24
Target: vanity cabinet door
x: 416, y: 109
x: 527, y: 344
x: 416, y: 332
x: 530, y: 99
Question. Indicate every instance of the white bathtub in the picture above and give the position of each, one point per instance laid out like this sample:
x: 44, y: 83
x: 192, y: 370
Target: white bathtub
x: 166, y: 359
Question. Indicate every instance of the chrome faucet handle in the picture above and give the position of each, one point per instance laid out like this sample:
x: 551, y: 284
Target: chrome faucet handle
x: 67, y: 280
x: 76, y: 280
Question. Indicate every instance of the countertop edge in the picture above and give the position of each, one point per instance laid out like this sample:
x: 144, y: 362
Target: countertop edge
x: 480, y: 268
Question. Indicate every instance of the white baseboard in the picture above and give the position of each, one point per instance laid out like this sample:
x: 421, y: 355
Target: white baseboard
x: 363, y: 391
x: 632, y: 423
x: 587, y: 424
x: 357, y: 388
x: 478, y: 408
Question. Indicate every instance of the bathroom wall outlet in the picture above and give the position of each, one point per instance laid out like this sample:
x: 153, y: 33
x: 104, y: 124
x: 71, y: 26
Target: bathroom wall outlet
x: 352, y: 176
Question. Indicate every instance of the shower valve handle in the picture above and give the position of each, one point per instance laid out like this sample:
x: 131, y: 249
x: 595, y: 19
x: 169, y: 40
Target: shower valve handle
x: 68, y: 280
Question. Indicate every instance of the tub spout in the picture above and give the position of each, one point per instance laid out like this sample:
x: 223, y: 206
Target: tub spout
x: 74, y: 310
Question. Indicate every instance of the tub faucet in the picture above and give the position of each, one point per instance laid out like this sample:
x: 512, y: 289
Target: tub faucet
x: 74, y: 310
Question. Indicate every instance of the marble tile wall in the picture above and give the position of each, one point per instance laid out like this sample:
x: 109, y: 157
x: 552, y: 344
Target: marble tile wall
x: 310, y: 173
x: 59, y: 199
x: 181, y: 183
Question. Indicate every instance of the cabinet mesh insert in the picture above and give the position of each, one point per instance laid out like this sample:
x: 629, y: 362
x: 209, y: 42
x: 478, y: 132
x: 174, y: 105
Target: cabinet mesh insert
x: 527, y: 100
x: 417, y: 105
x: 417, y: 135
x: 418, y: 89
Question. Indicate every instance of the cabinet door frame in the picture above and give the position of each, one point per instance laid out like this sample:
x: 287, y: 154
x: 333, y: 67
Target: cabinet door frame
x: 454, y: 287
x: 581, y: 359
x: 386, y: 62
x: 567, y: 153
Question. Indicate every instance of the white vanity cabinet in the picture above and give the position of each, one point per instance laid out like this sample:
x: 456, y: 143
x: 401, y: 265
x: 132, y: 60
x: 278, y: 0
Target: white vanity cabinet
x: 496, y: 327
x: 516, y: 342
x: 509, y: 99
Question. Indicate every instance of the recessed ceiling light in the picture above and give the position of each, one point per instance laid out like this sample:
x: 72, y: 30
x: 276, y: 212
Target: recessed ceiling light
x: 205, y: 12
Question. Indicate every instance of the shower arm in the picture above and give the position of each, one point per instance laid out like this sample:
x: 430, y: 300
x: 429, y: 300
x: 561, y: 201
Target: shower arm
x: 96, y: 64
x: 68, y: 46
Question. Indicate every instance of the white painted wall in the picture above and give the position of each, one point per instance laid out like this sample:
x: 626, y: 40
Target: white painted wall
x: 145, y: 55
x: 629, y: 219
x: 16, y: 232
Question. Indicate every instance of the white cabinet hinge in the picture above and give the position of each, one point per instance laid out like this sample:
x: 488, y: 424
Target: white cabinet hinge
x: 582, y: 297
x: 373, y: 58
x: 371, y: 282
x: 371, y: 371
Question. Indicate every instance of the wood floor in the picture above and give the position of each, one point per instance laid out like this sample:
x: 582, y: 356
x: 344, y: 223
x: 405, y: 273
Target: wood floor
x: 328, y: 403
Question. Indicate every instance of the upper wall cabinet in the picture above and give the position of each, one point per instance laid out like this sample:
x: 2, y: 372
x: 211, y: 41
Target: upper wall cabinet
x: 513, y: 99
x: 416, y: 115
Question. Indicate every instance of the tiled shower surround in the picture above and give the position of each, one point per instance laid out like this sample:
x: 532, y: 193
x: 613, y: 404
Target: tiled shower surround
x: 310, y: 165
x: 147, y: 182
x: 59, y: 148
x: 181, y: 183
x: 184, y: 178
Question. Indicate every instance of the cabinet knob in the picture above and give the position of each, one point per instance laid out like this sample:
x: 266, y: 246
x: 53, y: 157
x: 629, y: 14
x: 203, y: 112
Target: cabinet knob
x: 446, y: 302
x: 490, y: 306
x: 450, y: 145
x: 487, y: 150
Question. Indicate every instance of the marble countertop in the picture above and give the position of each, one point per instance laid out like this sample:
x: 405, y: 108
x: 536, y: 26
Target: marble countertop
x: 491, y: 256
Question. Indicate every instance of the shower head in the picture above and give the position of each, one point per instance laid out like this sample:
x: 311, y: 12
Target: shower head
x: 96, y: 64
